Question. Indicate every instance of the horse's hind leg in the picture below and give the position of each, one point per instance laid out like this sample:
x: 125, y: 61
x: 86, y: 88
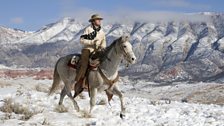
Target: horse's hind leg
x: 93, y: 92
x: 69, y: 94
x: 117, y: 92
x: 62, y: 95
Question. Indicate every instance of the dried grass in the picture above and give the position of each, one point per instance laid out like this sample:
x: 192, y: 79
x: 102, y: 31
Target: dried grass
x: 102, y: 102
x: 86, y: 114
x: 42, y: 88
x: 4, y: 84
x: 10, y: 106
x: 61, y: 109
x: 45, y: 122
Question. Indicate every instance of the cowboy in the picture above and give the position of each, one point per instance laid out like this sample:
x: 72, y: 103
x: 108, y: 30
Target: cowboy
x: 92, y: 39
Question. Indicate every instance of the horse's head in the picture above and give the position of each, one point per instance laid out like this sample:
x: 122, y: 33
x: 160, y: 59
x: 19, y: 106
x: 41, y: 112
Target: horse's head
x: 125, y: 48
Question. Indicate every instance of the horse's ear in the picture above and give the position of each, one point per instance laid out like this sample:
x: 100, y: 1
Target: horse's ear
x: 125, y: 38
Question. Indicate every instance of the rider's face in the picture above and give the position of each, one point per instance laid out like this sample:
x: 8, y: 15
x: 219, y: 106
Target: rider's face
x: 97, y: 22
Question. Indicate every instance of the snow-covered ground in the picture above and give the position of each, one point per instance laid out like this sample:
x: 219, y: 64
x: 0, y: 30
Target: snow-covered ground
x: 143, y: 105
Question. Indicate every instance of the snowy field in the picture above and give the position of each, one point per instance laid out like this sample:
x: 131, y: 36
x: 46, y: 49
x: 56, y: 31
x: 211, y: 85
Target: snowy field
x: 25, y: 102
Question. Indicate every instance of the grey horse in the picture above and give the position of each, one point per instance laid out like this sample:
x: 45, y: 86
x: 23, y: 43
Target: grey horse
x: 120, y: 49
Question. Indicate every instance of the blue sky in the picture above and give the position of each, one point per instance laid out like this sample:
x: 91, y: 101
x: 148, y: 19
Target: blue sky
x: 32, y: 14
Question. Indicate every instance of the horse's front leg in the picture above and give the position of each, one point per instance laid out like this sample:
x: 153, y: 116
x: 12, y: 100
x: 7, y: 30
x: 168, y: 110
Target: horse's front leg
x: 117, y: 92
x: 93, y: 92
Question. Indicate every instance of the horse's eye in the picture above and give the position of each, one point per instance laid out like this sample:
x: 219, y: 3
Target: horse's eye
x: 124, y: 46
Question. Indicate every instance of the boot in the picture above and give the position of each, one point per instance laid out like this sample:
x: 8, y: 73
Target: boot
x: 79, y: 87
x: 80, y: 74
x: 84, y: 61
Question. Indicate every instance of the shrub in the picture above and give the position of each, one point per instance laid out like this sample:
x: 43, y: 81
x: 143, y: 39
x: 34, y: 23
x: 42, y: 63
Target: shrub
x: 10, y: 106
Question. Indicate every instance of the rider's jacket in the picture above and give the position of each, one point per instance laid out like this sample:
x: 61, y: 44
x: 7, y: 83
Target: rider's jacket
x: 98, y: 42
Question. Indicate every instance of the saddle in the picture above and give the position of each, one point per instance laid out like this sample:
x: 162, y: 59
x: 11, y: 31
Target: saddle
x: 94, y: 61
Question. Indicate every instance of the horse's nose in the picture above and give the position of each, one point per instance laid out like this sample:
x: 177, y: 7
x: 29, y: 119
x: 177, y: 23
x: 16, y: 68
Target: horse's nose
x: 132, y: 59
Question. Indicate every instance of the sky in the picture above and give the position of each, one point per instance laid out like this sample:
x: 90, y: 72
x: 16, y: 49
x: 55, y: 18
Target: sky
x: 31, y: 15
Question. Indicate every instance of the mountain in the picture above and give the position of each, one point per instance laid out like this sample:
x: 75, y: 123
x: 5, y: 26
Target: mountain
x: 166, y: 51
x: 8, y: 35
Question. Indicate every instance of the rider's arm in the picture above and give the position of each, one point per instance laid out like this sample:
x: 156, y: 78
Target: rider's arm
x: 86, y: 42
x: 103, y: 45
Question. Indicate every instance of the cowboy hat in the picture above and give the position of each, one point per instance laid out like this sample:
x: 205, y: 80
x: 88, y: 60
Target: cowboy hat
x: 94, y: 17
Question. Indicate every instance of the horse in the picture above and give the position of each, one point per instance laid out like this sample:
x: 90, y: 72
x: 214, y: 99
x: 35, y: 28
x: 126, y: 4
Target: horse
x: 120, y: 49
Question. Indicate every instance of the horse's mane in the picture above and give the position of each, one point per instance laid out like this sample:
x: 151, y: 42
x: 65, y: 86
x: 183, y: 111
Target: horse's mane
x: 102, y: 55
x: 107, y: 50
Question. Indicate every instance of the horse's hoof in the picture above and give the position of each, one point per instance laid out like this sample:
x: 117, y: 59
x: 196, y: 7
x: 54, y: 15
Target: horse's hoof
x: 122, y: 116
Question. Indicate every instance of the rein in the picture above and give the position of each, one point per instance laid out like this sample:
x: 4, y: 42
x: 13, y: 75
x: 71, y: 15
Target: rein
x: 109, y: 82
x: 125, y: 53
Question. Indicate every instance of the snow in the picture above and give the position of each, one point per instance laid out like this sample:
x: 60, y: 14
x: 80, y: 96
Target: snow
x: 140, y: 110
x: 159, y: 46
x: 3, y: 67
x: 11, y: 36
x: 146, y: 102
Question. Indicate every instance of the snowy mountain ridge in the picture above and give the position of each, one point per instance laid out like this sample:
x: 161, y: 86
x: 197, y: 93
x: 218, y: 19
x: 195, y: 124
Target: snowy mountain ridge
x: 166, y: 51
x: 8, y: 35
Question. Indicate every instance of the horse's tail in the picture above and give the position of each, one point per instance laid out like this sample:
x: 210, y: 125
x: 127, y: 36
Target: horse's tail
x: 56, y: 80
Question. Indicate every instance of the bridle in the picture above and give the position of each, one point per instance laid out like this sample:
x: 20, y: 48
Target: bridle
x: 122, y: 49
x: 125, y: 54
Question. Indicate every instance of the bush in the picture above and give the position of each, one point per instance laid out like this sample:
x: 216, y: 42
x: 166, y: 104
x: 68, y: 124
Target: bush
x: 41, y: 88
x: 61, y: 109
x: 10, y: 106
